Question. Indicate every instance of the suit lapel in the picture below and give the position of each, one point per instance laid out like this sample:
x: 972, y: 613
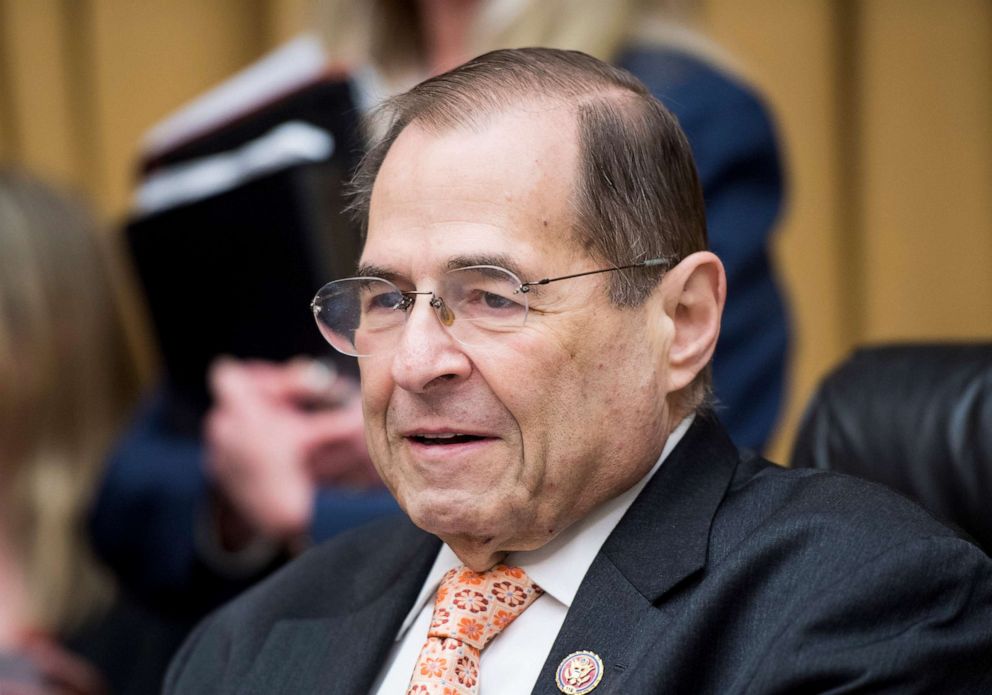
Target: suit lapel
x: 660, y: 543
x: 344, y: 652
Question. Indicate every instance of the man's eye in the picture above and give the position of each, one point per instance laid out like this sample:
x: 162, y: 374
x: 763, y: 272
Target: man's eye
x: 483, y: 303
x: 384, y: 301
x: 496, y: 301
x: 482, y: 299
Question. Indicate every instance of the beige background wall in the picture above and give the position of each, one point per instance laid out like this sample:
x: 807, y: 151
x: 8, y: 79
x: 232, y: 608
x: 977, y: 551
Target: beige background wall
x: 885, y: 107
x: 886, y: 111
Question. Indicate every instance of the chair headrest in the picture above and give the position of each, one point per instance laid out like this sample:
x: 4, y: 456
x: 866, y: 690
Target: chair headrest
x: 917, y: 418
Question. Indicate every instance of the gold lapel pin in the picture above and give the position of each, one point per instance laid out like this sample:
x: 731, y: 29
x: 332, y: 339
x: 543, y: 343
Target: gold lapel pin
x: 579, y: 673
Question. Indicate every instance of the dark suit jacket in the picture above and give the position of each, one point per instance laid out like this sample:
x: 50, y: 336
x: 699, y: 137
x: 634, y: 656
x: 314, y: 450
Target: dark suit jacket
x: 726, y: 575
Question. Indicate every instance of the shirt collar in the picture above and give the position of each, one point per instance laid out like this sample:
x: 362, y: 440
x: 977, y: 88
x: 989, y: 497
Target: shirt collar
x: 559, y: 566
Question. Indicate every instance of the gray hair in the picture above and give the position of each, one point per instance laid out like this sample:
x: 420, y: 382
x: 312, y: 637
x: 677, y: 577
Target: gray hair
x: 638, y: 192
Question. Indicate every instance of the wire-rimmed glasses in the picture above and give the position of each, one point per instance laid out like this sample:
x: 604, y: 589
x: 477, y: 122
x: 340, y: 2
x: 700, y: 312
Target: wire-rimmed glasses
x: 363, y: 316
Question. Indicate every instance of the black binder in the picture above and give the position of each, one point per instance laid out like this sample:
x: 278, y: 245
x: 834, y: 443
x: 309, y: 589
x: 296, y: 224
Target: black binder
x: 234, y: 273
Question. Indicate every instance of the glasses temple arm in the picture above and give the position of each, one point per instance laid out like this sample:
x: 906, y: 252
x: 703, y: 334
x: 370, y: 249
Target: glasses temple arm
x: 651, y: 262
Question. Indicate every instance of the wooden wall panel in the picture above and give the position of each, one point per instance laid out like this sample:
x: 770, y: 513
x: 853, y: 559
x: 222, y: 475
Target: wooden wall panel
x: 150, y: 57
x: 37, y: 118
x: 927, y: 134
x: 790, y: 49
x: 886, y: 113
x: 8, y: 137
x: 285, y: 19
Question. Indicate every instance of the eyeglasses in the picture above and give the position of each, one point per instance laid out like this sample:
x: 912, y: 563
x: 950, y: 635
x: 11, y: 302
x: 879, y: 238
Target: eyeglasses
x: 365, y: 316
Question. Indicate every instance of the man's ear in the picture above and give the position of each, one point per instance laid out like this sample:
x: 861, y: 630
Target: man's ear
x: 694, y: 292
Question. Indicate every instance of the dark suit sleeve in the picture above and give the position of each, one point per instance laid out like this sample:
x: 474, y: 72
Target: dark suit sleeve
x: 142, y: 520
x: 916, y: 619
x: 736, y: 151
x: 199, y: 666
x: 742, y: 184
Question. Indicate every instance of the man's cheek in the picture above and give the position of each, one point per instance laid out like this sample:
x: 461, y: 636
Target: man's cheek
x: 373, y: 403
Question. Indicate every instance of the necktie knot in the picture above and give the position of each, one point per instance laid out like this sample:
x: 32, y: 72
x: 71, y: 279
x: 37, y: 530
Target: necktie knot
x: 470, y: 609
x: 474, y: 607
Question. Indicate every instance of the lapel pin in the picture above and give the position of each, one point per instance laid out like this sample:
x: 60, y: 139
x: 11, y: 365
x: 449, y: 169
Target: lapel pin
x: 579, y: 673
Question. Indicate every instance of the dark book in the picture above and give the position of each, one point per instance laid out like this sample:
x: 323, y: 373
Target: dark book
x: 233, y: 273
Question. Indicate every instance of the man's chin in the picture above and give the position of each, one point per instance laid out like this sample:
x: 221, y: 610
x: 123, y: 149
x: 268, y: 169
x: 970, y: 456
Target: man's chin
x: 446, y: 518
x: 461, y: 521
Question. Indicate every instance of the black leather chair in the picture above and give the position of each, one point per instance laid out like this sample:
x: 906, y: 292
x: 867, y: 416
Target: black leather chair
x: 914, y: 417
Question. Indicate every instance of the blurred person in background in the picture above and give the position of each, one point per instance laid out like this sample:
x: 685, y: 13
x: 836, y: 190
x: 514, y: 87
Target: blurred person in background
x: 66, y: 382
x: 278, y: 474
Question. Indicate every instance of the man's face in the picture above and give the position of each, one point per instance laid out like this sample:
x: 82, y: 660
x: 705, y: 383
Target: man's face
x: 565, y: 412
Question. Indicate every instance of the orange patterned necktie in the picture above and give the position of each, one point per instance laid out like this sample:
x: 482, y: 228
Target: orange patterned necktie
x: 471, y: 608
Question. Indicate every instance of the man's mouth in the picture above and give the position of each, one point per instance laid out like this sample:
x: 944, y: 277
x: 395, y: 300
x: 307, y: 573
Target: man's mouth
x: 446, y: 439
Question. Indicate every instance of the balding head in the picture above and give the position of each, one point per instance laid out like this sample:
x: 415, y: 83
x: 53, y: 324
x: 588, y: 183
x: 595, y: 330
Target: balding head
x: 638, y: 195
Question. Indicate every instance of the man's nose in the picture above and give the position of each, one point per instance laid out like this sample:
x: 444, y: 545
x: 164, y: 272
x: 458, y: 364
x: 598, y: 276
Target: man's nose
x: 427, y: 355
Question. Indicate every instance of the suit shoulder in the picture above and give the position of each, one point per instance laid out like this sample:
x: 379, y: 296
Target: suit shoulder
x: 858, y: 579
x: 339, y: 576
x: 357, y: 563
x: 826, y: 513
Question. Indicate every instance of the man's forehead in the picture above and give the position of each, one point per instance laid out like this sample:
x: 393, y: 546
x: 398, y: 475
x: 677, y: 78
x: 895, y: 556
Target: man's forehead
x: 505, y: 187
x: 507, y: 261
x: 524, y: 140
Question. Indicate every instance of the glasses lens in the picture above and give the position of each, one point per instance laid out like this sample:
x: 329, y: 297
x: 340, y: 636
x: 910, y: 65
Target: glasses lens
x: 485, y: 301
x: 365, y: 316
x: 360, y: 316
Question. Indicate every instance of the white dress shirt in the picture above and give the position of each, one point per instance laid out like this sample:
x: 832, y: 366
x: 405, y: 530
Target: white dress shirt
x: 512, y: 662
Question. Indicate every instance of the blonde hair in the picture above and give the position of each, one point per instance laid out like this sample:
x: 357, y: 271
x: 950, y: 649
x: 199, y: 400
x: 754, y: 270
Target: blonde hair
x: 387, y: 33
x: 67, y: 378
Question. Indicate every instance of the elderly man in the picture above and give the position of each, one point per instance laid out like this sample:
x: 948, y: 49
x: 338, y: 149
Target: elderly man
x: 534, y: 315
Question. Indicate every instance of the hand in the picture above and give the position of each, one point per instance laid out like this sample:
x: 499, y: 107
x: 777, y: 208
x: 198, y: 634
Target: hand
x: 276, y: 432
x: 340, y: 458
x: 60, y: 672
